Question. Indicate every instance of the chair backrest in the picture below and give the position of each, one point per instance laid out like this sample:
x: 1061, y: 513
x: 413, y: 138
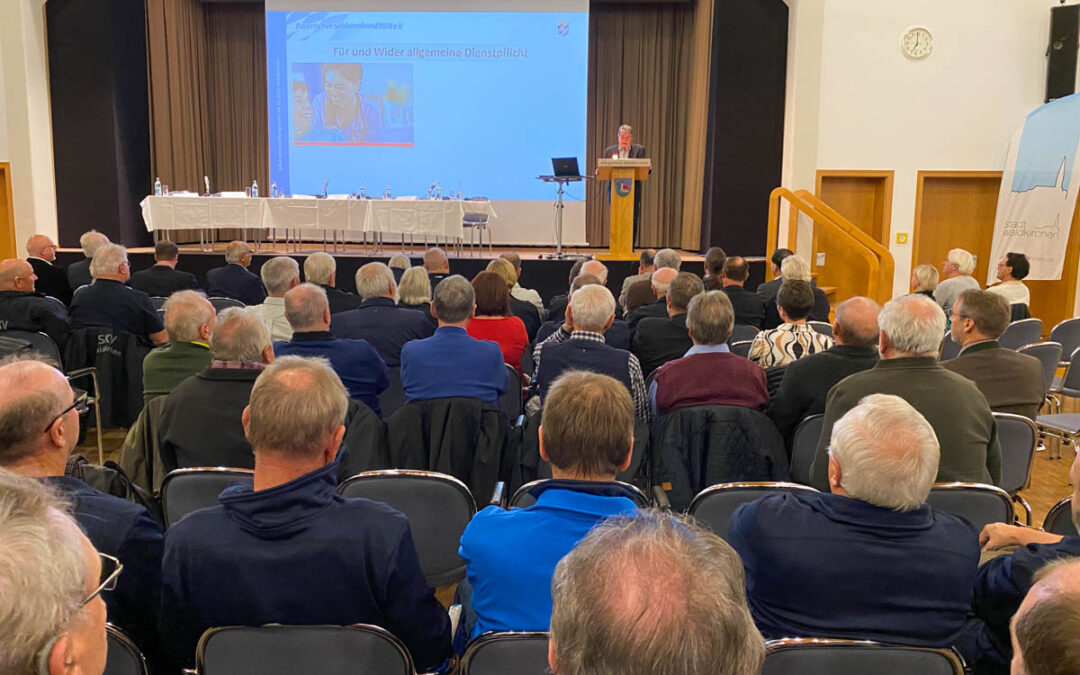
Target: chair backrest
x: 157, y: 301
x: 526, y: 495
x: 1070, y: 382
x: 823, y: 327
x: 741, y: 332
x: 512, y: 402
x: 741, y: 348
x: 1049, y: 355
x: 1067, y: 334
x: 221, y: 303
x: 123, y: 657
x: 713, y: 506
x: 1018, y: 311
x: 326, y: 650
x: 39, y: 342
x: 804, y: 447
x: 950, y: 349
x: 795, y: 656
x: 437, y: 506
x: 506, y: 654
x: 187, y: 490
x: 1059, y: 519
x: 1018, y: 437
x: 979, y: 504
x: 392, y: 398
x: 1020, y: 333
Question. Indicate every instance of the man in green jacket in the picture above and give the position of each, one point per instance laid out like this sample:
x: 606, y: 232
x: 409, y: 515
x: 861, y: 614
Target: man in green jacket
x: 912, y: 327
x: 189, y: 320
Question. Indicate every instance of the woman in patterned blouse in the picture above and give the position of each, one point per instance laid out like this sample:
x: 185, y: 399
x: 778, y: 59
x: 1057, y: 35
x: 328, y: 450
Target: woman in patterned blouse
x: 794, y: 338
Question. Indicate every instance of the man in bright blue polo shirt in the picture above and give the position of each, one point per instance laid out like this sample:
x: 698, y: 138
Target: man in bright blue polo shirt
x: 587, y: 433
x: 451, y: 363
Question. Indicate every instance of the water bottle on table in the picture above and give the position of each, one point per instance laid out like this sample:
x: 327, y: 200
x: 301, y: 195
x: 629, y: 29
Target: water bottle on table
x: 157, y: 187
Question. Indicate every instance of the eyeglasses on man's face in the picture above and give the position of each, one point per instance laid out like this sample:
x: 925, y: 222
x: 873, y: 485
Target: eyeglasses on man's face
x: 80, y: 405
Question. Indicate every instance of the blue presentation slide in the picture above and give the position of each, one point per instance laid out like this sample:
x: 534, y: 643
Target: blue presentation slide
x: 480, y: 100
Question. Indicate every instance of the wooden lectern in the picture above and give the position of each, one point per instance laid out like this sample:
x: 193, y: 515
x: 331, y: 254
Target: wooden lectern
x: 622, y: 173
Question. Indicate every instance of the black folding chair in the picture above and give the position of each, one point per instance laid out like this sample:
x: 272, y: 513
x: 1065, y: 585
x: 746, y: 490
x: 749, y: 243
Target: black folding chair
x: 123, y: 658
x: 823, y: 327
x: 1049, y: 355
x: 802, y: 656
x: 187, y: 490
x: 804, y: 447
x: 950, y: 349
x: 523, y: 653
x: 526, y: 495
x: 392, y: 398
x: 157, y: 301
x: 1063, y: 426
x: 221, y: 303
x: 714, y: 506
x: 1067, y: 334
x: 512, y: 402
x: 741, y: 332
x: 979, y: 504
x: 1020, y: 333
x: 1018, y: 437
x: 741, y: 348
x: 1059, y: 519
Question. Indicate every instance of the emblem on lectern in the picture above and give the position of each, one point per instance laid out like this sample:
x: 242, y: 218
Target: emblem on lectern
x: 564, y: 28
x: 622, y: 186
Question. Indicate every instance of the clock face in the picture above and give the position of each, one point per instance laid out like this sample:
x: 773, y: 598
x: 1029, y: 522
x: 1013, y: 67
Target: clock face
x: 917, y: 42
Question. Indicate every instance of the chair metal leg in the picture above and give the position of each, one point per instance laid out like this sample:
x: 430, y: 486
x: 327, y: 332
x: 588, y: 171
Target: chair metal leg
x: 1017, y: 499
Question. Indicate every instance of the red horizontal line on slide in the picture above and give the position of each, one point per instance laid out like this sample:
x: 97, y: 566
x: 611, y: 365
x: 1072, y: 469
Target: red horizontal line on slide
x: 389, y: 145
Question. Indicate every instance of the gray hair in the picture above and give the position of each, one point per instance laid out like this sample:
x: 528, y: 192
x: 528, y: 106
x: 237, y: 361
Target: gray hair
x: 91, y: 241
x: 592, y: 306
x: 667, y: 257
x: 107, y: 260
x: 415, y: 287
x: 278, y: 273
x: 856, y: 322
x: 185, y: 311
x: 240, y: 335
x: 375, y: 280
x: 795, y: 268
x: 928, y: 277
x: 683, y: 288
x: 964, y: 261
x: 710, y: 317
x: 25, y: 409
x: 42, y: 571
x: 661, y: 280
x: 652, y: 593
x: 305, y: 307
x: 235, y: 250
x: 914, y: 324
x: 400, y: 261
x: 296, y: 404
x: 627, y: 128
x: 319, y: 267
x: 595, y: 268
x: 454, y: 299
x: 888, y: 453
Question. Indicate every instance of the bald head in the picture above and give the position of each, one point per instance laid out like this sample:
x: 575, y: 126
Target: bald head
x: 40, y: 246
x: 661, y: 279
x: 32, y: 394
x: 597, y: 269
x: 16, y: 275
x: 436, y: 262
x: 856, y: 323
x: 1046, y: 627
x: 307, y: 309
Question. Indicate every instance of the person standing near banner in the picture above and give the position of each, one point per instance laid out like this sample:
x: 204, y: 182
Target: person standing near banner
x: 626, y: 148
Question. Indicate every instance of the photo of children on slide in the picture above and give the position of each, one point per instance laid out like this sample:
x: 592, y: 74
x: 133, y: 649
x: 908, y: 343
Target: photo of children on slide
x: 352, y: 104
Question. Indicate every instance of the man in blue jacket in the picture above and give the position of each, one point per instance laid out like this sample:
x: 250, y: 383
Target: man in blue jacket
x: 234, y: 280
x: 379, y: 319
x: 291, y: 550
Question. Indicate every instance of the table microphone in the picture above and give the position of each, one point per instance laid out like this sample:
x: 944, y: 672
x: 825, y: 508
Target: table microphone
x: 206, y: 181
x: 325, y: 185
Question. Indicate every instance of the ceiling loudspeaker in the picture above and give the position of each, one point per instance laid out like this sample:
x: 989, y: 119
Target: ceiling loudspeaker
x: 1062, y: 51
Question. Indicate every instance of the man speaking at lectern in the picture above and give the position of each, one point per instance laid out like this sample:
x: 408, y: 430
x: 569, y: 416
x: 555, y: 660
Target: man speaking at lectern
x: 626, y: 148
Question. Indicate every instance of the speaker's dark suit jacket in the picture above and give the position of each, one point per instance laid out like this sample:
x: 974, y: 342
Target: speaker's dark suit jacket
x: 659, y: 340
x: 236, y: 282
x: 162, y: 281
x: 51, y: 280
x: 749, y: 307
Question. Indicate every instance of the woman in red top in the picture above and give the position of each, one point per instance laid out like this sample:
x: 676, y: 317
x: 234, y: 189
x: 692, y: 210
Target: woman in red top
x: 494, y: 321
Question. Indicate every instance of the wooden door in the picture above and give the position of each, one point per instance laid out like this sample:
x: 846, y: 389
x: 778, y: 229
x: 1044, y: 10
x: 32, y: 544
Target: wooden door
x: 865, y: 199
x: 955, y: 209
x: 8, y: 246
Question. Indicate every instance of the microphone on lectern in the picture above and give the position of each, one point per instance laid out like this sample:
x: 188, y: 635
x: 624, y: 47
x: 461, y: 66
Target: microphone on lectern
x: 206, y: 182
x: 325, y: 185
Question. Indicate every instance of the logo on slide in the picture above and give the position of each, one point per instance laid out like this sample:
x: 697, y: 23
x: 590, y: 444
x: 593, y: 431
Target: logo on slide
x: 622, y: 186
x: 564, y: 28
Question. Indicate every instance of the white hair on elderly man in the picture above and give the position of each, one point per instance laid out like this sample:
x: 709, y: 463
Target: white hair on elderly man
x: 185, y: 313
x: 375, y: 280
x: 91, y: 241
x: 305, y: 307
x: 107, y: 260
x: 913, y: 325
x: 319, y: 267
x: 667, y: 258
x: 240, y: 335
x: 278, y: 273
x: 592, y: 308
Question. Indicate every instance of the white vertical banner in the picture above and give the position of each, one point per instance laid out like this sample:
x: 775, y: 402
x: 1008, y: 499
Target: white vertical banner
x: 1038, y: 190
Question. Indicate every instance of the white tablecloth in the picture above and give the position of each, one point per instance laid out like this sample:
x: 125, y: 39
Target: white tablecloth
x: 405, y: 216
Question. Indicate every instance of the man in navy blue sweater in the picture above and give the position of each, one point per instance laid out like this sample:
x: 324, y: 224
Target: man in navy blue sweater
x: 379, y: 319
x: 290, y: 549
x: 451, y: 363
x: 871, y: 561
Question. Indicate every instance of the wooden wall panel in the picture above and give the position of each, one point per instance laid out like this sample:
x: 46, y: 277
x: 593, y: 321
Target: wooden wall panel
x: 864, y: 198
x: 8, y: 246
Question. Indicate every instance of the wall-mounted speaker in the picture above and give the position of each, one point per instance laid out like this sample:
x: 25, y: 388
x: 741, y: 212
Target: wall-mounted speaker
x: 1062, y: 52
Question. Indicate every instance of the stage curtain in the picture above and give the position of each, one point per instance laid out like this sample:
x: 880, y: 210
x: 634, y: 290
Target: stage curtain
x: 648, y: 67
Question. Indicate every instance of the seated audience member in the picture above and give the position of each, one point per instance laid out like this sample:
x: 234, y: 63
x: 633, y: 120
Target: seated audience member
x: 795, y: 268
x: 618, y: 336
x: 652, y: 593
x: 189, y: 321
x: 645, y: 268
x: 109, y: 303
x: 519, y: 292
x: 807, y: 381
x: 924, y: 280
x: 793, y: 339
x: 361, y: 369
x: 557, y: 307
x: 1024, y: 551
x: 321, y: 269
x: 52, y: 280
x: 872, y: 560
x: 768, y: 289
x: 279, y: 274
x: 522, y: 309
x: 749, y: 306
x: 200, y: 421
x: 587, y: 434
x: 1047, y: 627
x: 657, y: 307
x: 233, y: 280
x: 437, y: 265
x: 78, y: 273
x: 163, y: 279
x: 414, y: 291
x: 955, y: 278
x: 21, y: 308
x: 39, y: 418
x: 715, y: 259
x: 1011, y: 382
x: 399, y: 264
x: 50, y: 578
x: 645, y: 292
x: 450, y: 363
x: 379, y: 319
x: 580, y: 346
x: 659, y: 340
x: 709, y: 374
x: 911, y: 327
x: 291, y: 550
x: 1010, y: 270
x: 493, y: 320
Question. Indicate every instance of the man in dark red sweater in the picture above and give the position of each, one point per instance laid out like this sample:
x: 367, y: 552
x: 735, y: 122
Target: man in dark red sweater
x: 709, y: 374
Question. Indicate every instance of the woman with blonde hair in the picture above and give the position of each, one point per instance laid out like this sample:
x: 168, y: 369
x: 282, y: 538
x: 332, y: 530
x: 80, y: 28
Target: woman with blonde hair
x: 522, y: 309
x: 924, y: 280
x: 414, y: 291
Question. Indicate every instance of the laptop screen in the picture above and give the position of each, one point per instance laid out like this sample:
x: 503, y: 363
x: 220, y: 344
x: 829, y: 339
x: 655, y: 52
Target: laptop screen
x: 565, y: 166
